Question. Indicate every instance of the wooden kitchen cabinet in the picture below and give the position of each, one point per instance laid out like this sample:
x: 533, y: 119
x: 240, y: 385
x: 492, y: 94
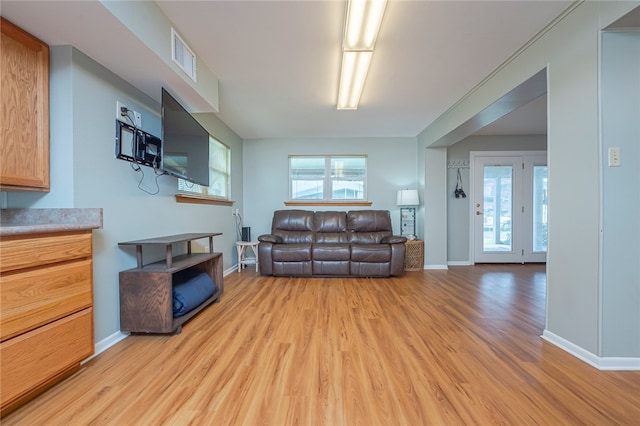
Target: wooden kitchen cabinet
x: 46, y: 311
x: 24, y: 95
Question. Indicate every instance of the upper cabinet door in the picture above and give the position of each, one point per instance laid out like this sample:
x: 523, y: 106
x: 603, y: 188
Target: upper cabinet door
x: 24, y: 128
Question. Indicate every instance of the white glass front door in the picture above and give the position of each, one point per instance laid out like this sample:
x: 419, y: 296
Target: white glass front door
x: 509, y: 195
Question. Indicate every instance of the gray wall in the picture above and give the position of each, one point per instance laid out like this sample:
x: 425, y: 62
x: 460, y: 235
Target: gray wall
x: 570, y: 51
x: 458, y: 211
x: 391, y: 165
x: 435, y: 208
x: 85, y: 173
x: 621, y: 194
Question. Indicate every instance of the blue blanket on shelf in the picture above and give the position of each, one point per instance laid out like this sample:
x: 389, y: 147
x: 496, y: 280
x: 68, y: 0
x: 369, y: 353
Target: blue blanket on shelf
x: 191, y: 293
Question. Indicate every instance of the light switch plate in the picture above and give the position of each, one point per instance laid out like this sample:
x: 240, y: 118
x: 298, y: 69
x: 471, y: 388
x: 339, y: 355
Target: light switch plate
x: 614, y: 157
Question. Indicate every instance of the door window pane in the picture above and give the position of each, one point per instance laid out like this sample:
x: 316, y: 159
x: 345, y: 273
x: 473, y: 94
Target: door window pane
x: 497, y: 209
x: 540, y: 209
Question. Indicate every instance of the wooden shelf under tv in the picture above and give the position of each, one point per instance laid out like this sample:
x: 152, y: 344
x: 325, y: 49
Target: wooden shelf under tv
x: 146, y: 292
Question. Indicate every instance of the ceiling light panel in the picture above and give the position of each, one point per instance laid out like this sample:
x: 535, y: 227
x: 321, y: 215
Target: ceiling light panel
x: 355, y: 66
x: 363, y: 23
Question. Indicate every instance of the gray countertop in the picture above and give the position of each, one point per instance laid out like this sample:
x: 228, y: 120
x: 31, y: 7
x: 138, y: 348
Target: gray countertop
x: 34, y: 221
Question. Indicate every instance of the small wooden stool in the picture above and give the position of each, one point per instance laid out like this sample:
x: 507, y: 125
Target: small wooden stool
x: 243, y: 260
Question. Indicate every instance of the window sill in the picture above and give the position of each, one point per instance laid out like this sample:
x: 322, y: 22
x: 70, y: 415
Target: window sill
x: 328, y: 203
x: 203, y: 199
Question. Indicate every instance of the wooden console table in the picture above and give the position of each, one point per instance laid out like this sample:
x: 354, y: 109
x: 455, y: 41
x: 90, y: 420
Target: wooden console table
x: 146, y: 292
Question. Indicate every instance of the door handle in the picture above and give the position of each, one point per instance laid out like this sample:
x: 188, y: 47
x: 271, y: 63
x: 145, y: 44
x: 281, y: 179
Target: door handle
x: 478, y: 213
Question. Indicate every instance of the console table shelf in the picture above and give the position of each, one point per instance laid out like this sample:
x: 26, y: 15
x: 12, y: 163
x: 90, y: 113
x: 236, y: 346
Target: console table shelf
x: 146, y: 292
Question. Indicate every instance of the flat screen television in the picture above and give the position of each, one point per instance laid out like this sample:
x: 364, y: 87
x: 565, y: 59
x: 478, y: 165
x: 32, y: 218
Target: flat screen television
x: 185, y: 143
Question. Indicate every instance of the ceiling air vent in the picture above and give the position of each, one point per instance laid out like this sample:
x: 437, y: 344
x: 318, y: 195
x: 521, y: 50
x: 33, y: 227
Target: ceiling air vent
x: 183, y: 55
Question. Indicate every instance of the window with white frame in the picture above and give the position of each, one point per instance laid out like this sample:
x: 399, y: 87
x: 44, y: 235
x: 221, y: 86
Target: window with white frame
x: 219, y: 172
x: 328, y: 177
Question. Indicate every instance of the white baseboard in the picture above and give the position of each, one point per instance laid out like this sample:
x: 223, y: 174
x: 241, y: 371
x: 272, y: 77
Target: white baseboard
x: 601, y: 363
x: 230, y: 270
x: 436, y: 267
x: 459, y: 263
x: 106, y: 343
x: 619, y: 363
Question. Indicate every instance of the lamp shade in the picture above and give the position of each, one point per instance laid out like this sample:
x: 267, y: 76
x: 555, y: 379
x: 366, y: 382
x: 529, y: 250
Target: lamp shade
x: 408, y: 197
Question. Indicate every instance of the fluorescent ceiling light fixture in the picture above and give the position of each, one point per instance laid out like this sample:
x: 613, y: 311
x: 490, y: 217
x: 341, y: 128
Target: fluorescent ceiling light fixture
x: 355, y: 66
x: 362, y: 24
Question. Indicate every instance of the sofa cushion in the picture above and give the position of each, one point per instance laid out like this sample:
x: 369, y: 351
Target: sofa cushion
x: 369, y: 269
x: 293, y: 226
x: 368, y: 226
x: 295, y: 237
x: 330, y: 227
x: 331, y: 267
x: 331, y: 252
x: 292, y: 220
x: 291, y: 252
x: 292, y: 269
x: 369, y: 221
x: 367, y: 237
x: 372, y: 253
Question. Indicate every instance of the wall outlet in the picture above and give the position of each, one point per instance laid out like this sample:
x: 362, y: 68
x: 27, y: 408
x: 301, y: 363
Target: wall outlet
x: 235, y: 212
x: 133, y: 115
x: 119, y: 116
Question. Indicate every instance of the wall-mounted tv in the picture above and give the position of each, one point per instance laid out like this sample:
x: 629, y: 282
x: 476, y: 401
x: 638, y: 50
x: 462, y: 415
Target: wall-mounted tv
x: 185, y: 143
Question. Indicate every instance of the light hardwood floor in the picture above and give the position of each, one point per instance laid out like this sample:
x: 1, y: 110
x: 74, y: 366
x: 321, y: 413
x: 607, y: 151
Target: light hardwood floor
x: 449, y: 347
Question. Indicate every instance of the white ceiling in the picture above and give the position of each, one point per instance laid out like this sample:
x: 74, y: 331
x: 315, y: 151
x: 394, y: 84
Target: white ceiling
x: 278, y: 61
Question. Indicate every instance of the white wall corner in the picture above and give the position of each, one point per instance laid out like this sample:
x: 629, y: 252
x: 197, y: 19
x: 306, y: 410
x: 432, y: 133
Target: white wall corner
x: 106, y: 343
x: 601, y: 363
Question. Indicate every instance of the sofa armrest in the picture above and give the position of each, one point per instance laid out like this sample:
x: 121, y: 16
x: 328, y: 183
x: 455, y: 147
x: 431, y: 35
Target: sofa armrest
x: 269, y: 238
x: 398, y: 253
x: 264, y: 257
x: 394, y: 239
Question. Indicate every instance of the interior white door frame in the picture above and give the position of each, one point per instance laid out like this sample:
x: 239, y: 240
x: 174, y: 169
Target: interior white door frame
x: 472, y: 194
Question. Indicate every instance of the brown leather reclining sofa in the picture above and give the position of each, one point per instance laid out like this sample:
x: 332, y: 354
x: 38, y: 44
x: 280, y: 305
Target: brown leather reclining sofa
x: 355, y: 243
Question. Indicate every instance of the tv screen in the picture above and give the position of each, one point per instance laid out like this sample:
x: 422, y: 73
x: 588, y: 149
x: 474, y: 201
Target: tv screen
x: 185, y: 143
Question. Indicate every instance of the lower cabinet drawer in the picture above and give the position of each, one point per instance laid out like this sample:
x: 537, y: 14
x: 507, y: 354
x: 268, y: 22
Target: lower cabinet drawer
x: 35, y: 297
x: 19, y: 252
x: 31, y: 360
